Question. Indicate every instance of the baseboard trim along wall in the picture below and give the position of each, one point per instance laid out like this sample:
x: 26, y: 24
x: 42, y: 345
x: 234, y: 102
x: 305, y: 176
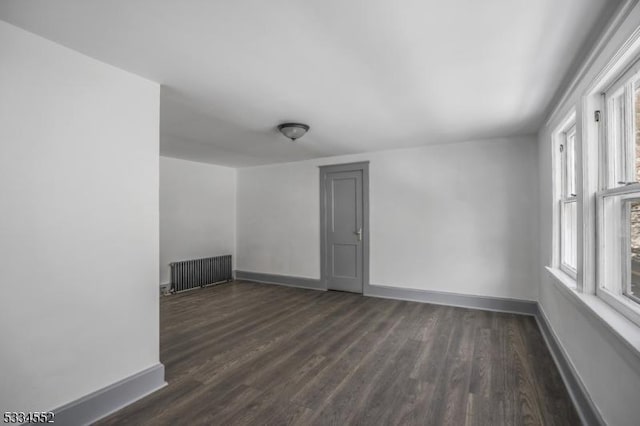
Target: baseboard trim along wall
x: 517, y: 306
x: 285, y: 280
x: 587, y: 410
x: 112, y: 398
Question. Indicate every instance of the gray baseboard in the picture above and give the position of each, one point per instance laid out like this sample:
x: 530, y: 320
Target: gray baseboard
x: 517, y: 306
x: 587, y: 410
x: 286, y: 280
x: 112, y: 398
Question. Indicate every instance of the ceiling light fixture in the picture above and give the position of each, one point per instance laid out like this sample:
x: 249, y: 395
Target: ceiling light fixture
x: 293, y: 130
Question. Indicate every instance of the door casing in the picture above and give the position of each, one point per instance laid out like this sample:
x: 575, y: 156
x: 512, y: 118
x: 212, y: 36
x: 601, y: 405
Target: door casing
x: 362, y: 166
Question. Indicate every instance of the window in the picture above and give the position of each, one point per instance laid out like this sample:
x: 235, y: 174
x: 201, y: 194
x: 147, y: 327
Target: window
x: 567, y: 204
x: 619, y: 198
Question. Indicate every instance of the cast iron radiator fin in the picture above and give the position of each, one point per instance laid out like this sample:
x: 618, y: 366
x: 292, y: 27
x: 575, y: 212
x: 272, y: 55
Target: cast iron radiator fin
x: 189, y: 274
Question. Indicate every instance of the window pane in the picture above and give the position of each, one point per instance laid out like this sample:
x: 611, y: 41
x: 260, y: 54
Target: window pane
x: 569, y: 233
x: 618, y: 266
x: 633, y: 287
x: 571, y: 163
x: 615, y: 139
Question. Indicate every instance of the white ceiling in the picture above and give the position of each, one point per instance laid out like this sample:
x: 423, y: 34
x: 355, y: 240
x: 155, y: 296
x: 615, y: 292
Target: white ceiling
x: 365, y: 75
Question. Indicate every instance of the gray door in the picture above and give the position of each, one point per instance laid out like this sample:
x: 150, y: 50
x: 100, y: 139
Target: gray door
x: 343, y: 230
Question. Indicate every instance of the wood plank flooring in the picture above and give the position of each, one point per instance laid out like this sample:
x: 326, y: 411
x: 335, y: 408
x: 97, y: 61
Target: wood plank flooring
x: 257, y: 354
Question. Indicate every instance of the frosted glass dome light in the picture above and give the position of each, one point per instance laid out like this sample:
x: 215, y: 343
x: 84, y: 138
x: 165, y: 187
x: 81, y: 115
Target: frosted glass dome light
x: 293, y: 130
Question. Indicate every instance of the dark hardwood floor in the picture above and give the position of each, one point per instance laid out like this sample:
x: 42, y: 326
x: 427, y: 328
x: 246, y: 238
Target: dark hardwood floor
x: 256, y: 354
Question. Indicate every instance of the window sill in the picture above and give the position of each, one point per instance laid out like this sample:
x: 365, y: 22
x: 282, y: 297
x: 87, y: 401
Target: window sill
x: 564, y: 278
x: 627, y: 334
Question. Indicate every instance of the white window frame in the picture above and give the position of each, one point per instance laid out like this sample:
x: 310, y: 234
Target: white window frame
x: 613, y: 249
x: 568, y: 199
x: 562, y: 196
x: 617, y: 189
x: 618, y: 164
x: 585, y: 96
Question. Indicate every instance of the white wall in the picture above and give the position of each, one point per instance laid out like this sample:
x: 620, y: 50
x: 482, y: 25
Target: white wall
x: 197, y: 211
x: 609, y: 370
x: 78, y: 223
x: 458, y: 217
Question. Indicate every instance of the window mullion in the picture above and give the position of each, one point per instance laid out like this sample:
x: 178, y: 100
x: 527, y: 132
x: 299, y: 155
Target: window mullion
x: 628, y: 137
x: 611, y: 142
x: 618, y: 286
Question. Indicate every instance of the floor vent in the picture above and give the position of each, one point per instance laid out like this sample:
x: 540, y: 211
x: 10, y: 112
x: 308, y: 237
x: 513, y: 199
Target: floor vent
x: 189, y: 274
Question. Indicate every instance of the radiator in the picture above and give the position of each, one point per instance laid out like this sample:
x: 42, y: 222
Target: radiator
x: 189, y: 274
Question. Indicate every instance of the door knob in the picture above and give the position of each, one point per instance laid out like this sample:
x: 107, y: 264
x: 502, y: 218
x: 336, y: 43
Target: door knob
x: 359, y: 234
